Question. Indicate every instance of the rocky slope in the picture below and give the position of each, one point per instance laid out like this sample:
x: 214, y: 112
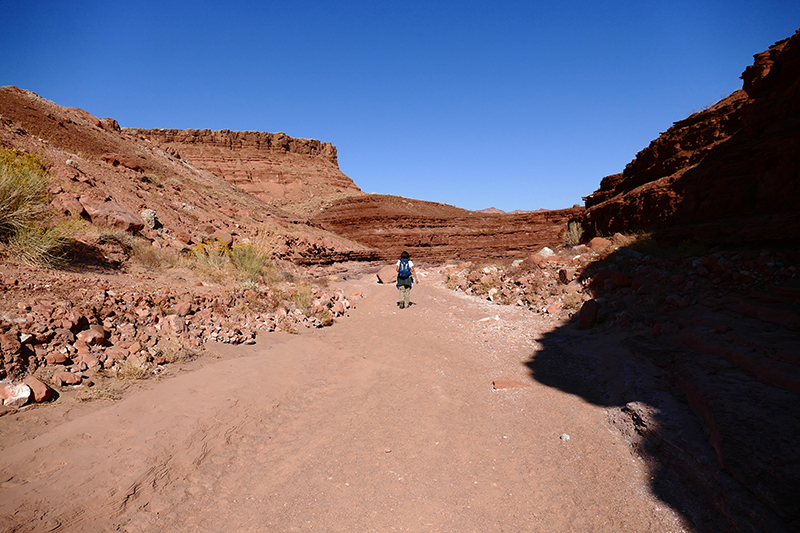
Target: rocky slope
x: 109, y: 176
x: 436, y: 232
x: 725, y: 174
x: 283, y: 171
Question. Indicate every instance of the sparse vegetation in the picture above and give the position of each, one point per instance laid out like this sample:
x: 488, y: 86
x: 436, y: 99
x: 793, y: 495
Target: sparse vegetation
x: 24, y: 215
x: 129, y: 371
x: 23, y: 191
x: 97, y: 393
x: 303, y: 297
x: 248, y: 260
x: 574, y: 233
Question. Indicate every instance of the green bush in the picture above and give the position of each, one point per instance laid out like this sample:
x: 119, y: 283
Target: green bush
x: 248, y: 260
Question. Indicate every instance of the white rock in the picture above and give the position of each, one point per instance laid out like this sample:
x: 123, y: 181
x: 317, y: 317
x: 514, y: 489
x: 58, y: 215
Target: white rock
x: 546, y: 252
x: 14, y: 395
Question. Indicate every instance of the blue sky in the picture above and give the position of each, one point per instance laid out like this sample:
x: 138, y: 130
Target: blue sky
x: 516, y: 105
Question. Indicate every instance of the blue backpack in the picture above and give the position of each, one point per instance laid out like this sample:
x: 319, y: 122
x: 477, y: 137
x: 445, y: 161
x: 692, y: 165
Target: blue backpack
x: 405, y: 269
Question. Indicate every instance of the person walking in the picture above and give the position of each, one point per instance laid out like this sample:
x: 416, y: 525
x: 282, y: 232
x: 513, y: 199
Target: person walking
x: 406, y: 275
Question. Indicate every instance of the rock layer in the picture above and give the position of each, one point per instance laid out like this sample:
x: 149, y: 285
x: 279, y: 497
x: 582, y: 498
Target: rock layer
x: 725, y: 174
x: 435, y: 232
x: 274, y: 167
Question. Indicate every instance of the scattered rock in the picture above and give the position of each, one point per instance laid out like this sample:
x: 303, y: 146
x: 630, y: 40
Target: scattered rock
x: 14, y: 395
x: 388, y: 275
x: 41, y: 392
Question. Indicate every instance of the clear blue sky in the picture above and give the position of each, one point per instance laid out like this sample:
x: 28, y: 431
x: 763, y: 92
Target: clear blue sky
x: 517, y: 105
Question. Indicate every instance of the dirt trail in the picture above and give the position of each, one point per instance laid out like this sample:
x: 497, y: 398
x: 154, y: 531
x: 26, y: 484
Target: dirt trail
x: 387, y: 421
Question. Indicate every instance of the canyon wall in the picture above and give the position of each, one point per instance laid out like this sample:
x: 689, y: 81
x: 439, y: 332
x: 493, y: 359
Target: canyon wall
x: 434, y: 232
x: 728, y: 174
x: 284, y: 171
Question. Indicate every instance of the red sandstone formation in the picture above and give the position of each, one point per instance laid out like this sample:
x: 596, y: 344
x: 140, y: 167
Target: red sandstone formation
x: 274, y: 167
x: 437, y: 232
x: 109, y: 176
x: 725, y: 174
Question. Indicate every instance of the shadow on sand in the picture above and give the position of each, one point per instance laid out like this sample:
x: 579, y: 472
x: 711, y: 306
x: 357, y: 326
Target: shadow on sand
x: 721, y: 445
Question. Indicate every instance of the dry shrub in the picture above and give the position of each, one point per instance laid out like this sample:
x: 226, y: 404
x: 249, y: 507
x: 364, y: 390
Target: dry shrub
x: 131, y: 372
x: 572, y: 300
x: 303, y: 297
x: 25, y: 222
x: 23, y: 191
x: 325, y: 317
x: 97, y: 393
x: 39, y: 245
x: 574, y: 233
x: 248, y: 260
x: 637, y: 240
x: 286, y: 325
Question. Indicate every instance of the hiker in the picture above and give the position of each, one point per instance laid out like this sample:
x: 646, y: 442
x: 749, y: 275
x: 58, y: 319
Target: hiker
x: 406, y: 275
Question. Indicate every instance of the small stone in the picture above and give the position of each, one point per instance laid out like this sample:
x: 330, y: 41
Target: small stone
x: 564, y: 437
x: 508, y: 384
x: 66, y: 378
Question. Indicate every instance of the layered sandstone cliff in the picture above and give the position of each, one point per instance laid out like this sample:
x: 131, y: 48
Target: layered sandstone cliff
x: 728, y: 174
x: 437, y: 232
x: 281, y: 170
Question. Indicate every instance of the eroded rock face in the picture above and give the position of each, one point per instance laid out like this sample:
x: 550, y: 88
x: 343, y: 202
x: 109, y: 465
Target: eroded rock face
x: 725, y: 174
x: 434, y: 232
x: 272, y: 166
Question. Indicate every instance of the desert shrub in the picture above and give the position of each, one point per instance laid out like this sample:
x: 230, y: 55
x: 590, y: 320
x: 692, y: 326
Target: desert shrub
x: 572, y: 300
x: 574, y: 233
x: 97, y: 393
x: 325, y: 317
x: 129, y: 371
x: 23, y: 191
x: 24, y: 212
x: 303, y: 297
x: 692, y: 247
x: 248, y: 260
x: 38, y: 245
x: 213, y: 253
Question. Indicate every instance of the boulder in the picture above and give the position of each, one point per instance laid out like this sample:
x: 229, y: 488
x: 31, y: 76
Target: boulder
x: 588, y: 314
x: 66, y: 378
x: 176, y: 324
x: 107, y: 212
x: 598, y: 244
x: 116, y: 160
x: 93, y: 336
x: 14, y: 395
x: 56, y: 358
x: 150, y: 219
x: 388, y: 275
x: 41, y: 392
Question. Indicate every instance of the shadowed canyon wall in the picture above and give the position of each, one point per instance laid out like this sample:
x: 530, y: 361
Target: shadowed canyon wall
x: 728, y: 174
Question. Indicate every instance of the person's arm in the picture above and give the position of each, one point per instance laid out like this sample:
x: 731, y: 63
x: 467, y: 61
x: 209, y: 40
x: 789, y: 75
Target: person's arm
x: 413, y: 274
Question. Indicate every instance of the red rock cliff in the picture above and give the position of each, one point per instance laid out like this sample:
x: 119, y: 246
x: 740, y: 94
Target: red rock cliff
x: 276, y: 168
x: 437, y: 232
x: 726, y: 174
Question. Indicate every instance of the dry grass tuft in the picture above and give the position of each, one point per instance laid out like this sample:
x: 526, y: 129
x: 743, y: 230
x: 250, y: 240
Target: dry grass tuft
x: 97, y: 393
x: 130, y: 372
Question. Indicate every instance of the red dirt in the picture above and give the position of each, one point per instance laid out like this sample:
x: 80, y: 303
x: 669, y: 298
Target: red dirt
x: 389, y: 421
